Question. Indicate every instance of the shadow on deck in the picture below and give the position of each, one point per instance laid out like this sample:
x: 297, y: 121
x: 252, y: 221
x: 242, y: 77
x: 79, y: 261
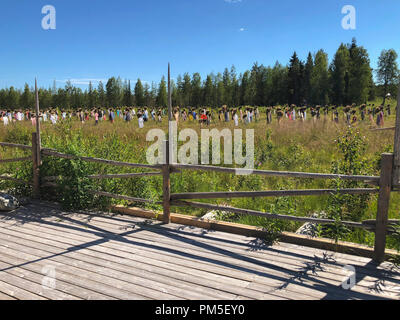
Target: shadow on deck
x: 46, y: 253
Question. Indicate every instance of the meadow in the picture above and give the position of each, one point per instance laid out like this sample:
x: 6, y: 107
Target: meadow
x: 321, y: 146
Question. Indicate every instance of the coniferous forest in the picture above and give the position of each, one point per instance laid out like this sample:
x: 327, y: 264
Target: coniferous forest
x: 348, y: 78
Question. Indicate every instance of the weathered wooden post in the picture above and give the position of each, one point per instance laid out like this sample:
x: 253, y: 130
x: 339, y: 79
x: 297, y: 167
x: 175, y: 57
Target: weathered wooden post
x: 166, y: 185
x: 385, y: 185
x: 167, y: 167
x: 36, y: 148
x: 396, y: 165
x: 38, y: 140
x: 36, y: 172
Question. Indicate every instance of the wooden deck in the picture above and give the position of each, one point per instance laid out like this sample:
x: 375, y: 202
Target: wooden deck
x: 46, y: 253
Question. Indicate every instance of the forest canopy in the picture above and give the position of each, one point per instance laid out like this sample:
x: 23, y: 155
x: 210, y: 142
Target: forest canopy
x: 347, y: 79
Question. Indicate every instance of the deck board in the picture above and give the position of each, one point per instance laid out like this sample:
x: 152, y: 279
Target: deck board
x: 107, y: 256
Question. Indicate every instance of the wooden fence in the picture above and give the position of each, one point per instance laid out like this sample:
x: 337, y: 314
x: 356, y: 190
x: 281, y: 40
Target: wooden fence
x: 388, y: 181
x: 379, y: 185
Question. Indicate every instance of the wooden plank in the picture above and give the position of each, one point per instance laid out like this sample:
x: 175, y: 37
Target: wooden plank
x: 367, y: 179
x: 251, y: 293
x: 159, y: 234
x: 15, y: 160
x: 173, y: 276
x: 134, y: 275
x: 36, y: 166
x: 385, y: 185
x: 170, y: 289
x: 16, y: 180
x: 229, y: 235
x: 34, y: 271
x: 396, y: 161
x: 166, y: 185
x: 77, y: 277
x: 215, y: 238
x: 251, y: 231
x: 52, y: 153
x: 96, y: 273
x: 271, y: 193
x: 124, y: 176
x: 38, y: 143
x: 263, y: 214
x: 155, y: 237
x: 117, y: 196
x: 4, y: 296
x: 174, y: 268
x: 111, y: 261
x: 35, y: 283
x: 383, y: 129
x: 133, y: 253
x: 15, y: 145
x: 26, y: 249
x: 187, y: 242
x: 18, y: 293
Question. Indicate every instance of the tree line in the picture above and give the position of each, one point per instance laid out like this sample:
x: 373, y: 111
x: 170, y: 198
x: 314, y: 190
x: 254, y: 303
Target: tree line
x: 347, y: 79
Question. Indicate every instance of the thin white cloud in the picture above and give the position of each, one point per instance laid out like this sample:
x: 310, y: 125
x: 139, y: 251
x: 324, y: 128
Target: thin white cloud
x: 242, y: 29
x: 233, y: 1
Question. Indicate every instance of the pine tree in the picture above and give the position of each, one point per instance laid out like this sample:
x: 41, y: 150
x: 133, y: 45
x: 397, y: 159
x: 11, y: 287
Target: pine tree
x: 113, y: 92
x: 320, y: 79
x: 139, y: 94
x: 294, y: 80
x: 27, y: 98
x: 197, y: 95
x: 91, y: 98
x: 360, y: 74
x: 128, y: 98
x: 208, y: 92
x: 162, y: 97
x: 308, y: 69
x: 339, y: 75
x: 102, y: 95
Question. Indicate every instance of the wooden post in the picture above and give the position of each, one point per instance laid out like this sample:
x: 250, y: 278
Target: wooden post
x: 385, y: 185
x: 170, y: 117
x: 166, y: 166
x: 38, y: 140
x: 166, y: 185
x: 396, y: 169
x: 36, y: 172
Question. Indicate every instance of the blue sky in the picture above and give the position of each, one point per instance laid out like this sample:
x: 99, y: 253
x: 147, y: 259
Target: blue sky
x: 97, y: 39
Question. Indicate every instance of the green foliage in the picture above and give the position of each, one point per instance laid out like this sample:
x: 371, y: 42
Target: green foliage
x: 352, y: 146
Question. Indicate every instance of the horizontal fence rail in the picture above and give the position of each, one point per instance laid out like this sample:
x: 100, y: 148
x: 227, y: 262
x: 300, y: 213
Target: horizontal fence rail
x: 121, y: 197
x: 289, y: 174
x: 52, y: 153
x: 125, y: 175
x: 15, y: 145
x: 264, y: 194
x: 15, y: 160
x: 15, y: 180
x: 207, y: 206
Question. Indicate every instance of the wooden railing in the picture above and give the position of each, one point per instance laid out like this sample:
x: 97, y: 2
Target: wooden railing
x: 383, y: 187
